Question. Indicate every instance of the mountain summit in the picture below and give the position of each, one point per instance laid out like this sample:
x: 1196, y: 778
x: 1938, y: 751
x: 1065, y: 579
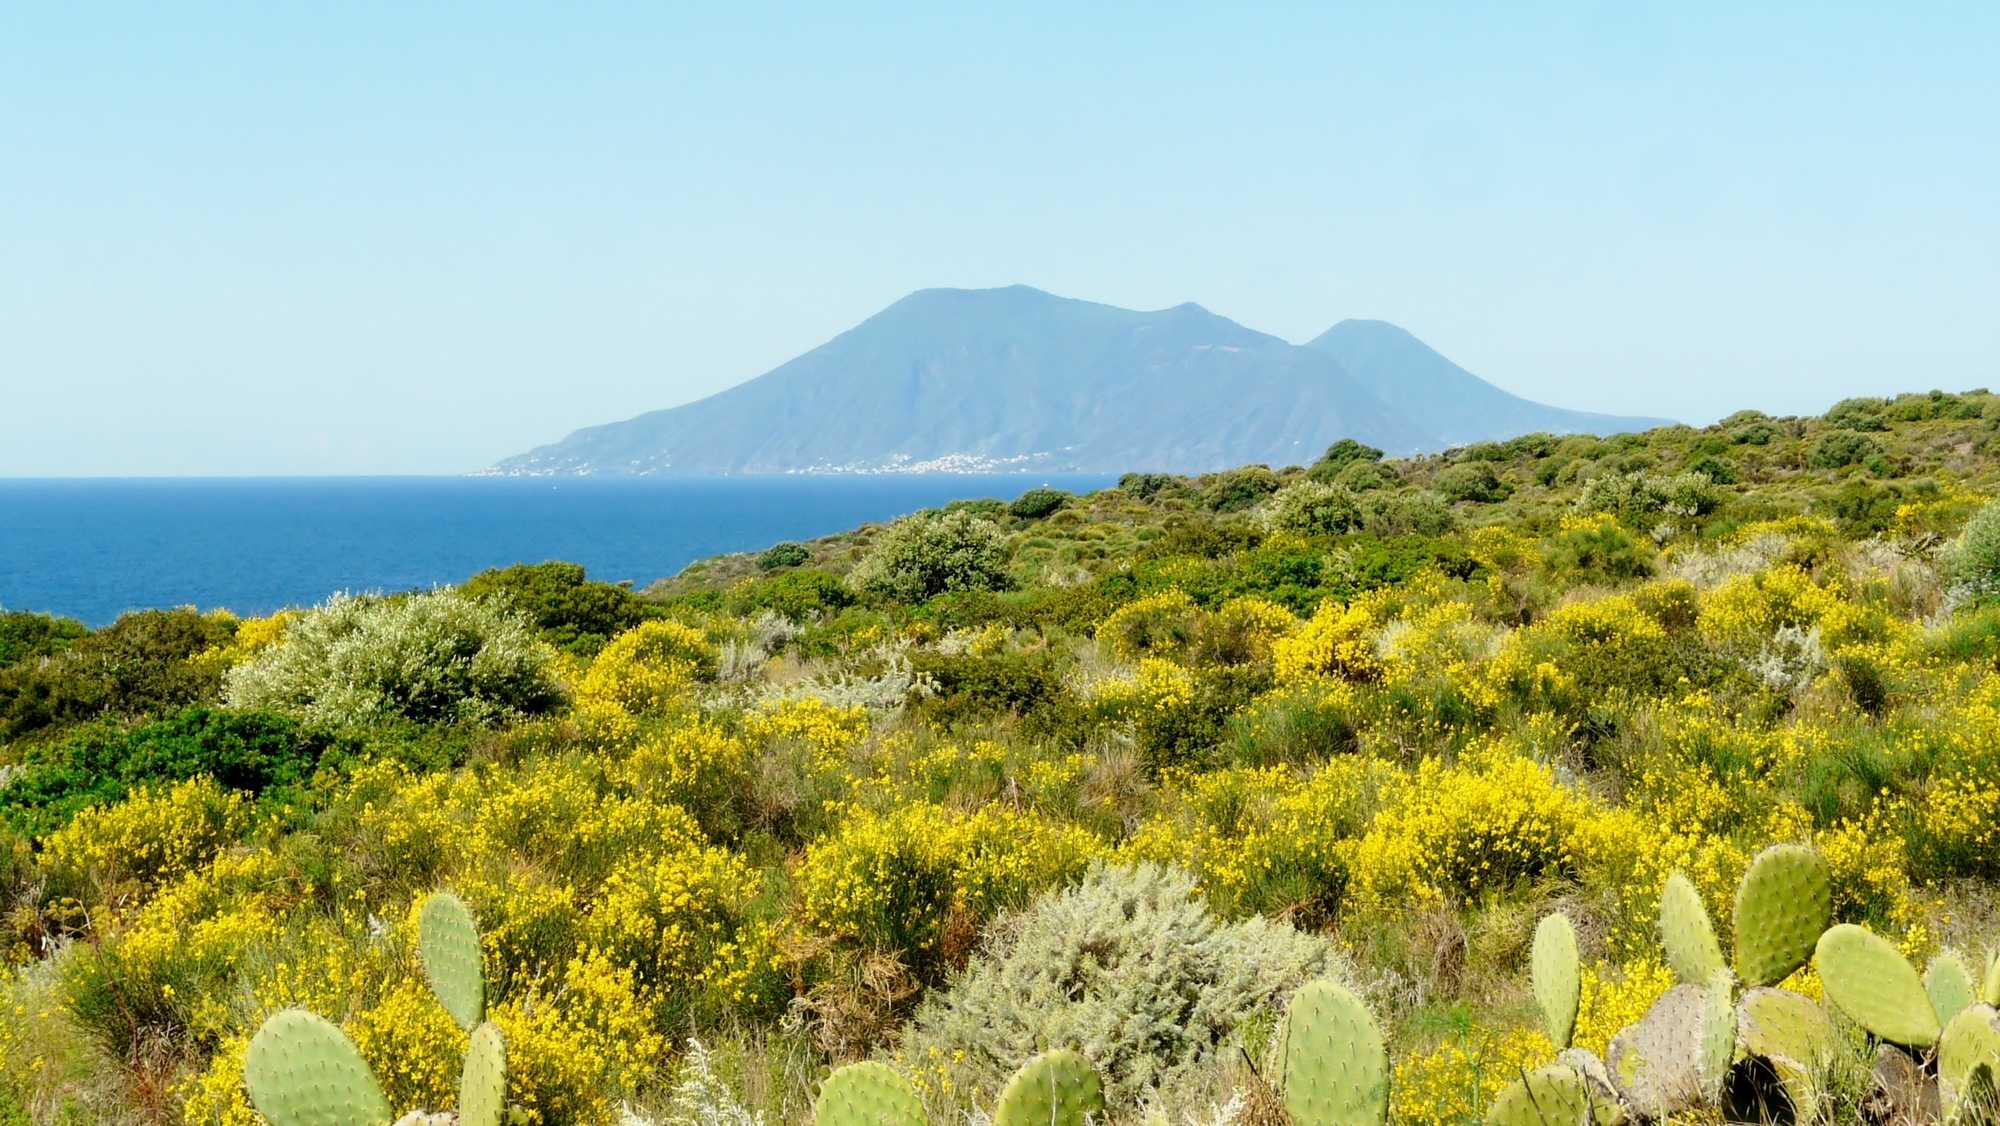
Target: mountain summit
x: 1014, y: 378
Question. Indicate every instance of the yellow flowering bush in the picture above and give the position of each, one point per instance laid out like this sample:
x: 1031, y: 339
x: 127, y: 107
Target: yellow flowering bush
x: 1337, y: 641
x: 155, y: 834
x: 1156, y: 624
x: 1456, y: 1080
x: 647, y: 668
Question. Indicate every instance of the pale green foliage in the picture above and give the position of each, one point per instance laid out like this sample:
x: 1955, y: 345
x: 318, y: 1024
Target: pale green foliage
x: 1129, y: 967
x: 1975, y: 559
x: 921, y: 556
x: 702, y: 1098
x: 436, y: 657
x: 1313, y: 508
x: 1636, y: 495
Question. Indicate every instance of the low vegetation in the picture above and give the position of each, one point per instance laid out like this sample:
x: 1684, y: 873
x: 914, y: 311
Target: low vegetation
x: 1118, y: 772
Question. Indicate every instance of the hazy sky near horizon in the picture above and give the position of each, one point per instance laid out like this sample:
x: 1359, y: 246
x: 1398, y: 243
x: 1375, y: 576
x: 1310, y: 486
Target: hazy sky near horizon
x: 417, y: 237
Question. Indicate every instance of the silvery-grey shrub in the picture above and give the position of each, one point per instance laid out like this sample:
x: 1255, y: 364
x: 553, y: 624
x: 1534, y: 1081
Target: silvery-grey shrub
x: 435, y: 657
x: 1973, y: 562
x: 1131, y: 968
x: 924, y: 555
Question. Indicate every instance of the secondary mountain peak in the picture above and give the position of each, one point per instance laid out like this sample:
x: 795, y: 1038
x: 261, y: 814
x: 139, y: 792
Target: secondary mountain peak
x: 1015, y: 378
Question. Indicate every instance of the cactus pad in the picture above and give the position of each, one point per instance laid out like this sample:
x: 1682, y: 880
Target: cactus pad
x: 1869, y: 981
x: 482, y: 1087
x: 1777, y: 1024
x: 1605, y: 1109
x: 1686, y: 932
x: 448, y: 945
x: 867, y: 1094
x: 1782, y: 904
x: 1971, y: 1039
x: 1989, y: 991
x: 1557, y: 977
x: 301, y: 1070
x: 1949, y: 985
x: 1054, y: 1089
x: 1656, y: 1063
x: 1334, y: 1069
x: 1547, y: 1096
x: 1718, y: 1034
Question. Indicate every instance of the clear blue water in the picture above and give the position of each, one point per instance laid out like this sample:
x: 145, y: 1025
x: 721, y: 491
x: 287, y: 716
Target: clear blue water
x: 91, y: 549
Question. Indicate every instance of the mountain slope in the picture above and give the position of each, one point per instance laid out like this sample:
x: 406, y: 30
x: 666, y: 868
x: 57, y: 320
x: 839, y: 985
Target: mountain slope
x: 1007, y: 378
x: 1445, y: 399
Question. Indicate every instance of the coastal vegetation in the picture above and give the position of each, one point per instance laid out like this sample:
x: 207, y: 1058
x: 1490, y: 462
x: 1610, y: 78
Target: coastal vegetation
x: 1124, y: 773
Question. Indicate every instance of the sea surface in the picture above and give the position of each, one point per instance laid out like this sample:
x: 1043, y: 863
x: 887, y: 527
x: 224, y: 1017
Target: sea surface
x: 93, y: 548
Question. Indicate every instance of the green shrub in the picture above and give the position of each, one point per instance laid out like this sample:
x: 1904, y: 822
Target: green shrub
x: 1361, y: 476
x: 1716, y: 469
x: 786, y: 554
x: 146, y: 663
x: 1839, y: 448
x: 1146, y: 486
x: 1470, y: 481
x: 1339, y: 456
x: 24, y: 634
x: 1235, y: 490
x: 1037, y: 503
x: 1314, y: 508
x: 1974, y: 561
x: 570, y: 611
x: 1857, y: 414
x: 1388, y: 514
x: 921, y: 556
x: 1598, y: 553
x: 1756, y: 434
x: 100, y: 763
x: 800, y: 595
x: 437, y: 657
x: 1130, y: 967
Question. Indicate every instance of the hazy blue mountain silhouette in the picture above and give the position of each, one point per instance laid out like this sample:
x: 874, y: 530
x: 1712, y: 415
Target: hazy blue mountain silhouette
x: 998, y: 379
x: 1446, y: 400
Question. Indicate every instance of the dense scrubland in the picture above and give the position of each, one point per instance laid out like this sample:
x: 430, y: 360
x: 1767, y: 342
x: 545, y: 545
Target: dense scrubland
x: 1118, y: 772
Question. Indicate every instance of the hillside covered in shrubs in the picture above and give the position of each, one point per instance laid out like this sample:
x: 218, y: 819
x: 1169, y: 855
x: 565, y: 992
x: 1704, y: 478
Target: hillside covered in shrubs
x: 1117, y: 772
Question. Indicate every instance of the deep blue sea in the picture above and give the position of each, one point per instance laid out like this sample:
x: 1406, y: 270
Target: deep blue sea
x: 91, y: 549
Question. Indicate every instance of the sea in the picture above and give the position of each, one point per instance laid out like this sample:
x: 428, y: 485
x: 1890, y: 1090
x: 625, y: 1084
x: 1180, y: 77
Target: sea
x: 94, y: 548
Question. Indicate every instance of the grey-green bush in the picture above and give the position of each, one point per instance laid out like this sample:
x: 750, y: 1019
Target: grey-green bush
x: 1313, y: 508
x: 433, y: 657
x: 1129, y: 967
x: 1974, y: 561
x: 921, y: 556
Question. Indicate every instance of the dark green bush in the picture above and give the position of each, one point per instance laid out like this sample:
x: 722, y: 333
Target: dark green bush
x: 1388, y: 514
x: 145, y: 663
x: 1235, y: 490
x: 1857, y: 414
x: 1756, y: 434
x: 100, y: 763
x: 1037, y: 503
x: 1841, y: 448
x: 1716, y: 469
x: 1339, y: 456
x: 24, y: 634
x: 787, y: 554
x: 1599, y: 553
x: 1470, y: 481
x: 1146, y: 486
x: 568, y: 610
x: 800, y: 595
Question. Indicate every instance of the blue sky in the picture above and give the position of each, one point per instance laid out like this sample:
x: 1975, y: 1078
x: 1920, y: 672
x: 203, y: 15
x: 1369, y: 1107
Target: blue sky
x: 381, y: 238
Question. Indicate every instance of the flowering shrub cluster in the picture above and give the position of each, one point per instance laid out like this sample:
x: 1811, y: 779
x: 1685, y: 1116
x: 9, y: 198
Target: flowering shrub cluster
x: 1117, y: 772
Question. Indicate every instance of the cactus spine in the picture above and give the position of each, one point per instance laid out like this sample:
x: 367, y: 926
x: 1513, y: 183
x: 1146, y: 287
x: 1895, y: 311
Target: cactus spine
x: 1783, y: 902
x: 1557, y: 977
x: 482, y: 1087
x: 1547, y: 1096
x: 1969, y: 1042
x: 867, y: 1094
x: 1869, y: 980
x: 1054, y: 1089
x: 1989, y: 991
x: 302, y: 1070
x: 448, y: 946
x: 1718, y: 1034
x: 1686, y: 933
x: 1333, y: 1069
x: 1948, y: 983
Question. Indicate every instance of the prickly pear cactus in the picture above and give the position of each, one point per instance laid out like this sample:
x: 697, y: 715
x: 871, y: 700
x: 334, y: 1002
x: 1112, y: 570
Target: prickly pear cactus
x: 1547, y: 1096
x: 1656, y: 1063
x: 1795, y: 1037
x: 1783, y: 903
x: 1333, y: 1069
x: 482, y: 1087
x: 1989, y: 992
x: 1971, y: 1039
x: 1686, y: 932
x: 1865, y: 976
x: 448, y: 945
x: 1605, y: 1109
x: 1557, y: 977
x: 1949, y: 986
x: 301, y: 1070
x: 1054, y: 1089
x: 867, y: 1094
x: 1718, y: 1034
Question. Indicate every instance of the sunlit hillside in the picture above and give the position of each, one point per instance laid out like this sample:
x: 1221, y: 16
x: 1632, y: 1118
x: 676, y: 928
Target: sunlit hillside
x: 1120, y: 773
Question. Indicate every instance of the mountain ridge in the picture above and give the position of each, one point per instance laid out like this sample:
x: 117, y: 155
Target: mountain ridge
x: 1018, y: 379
